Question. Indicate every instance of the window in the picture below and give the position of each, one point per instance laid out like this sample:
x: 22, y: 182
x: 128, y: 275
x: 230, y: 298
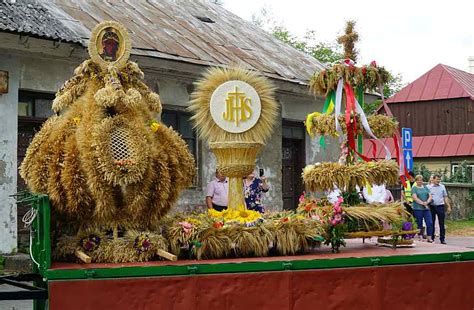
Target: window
x: 180, y: 121
x: 293, y: 130
x: 35, y: 104
x: 463, y: 172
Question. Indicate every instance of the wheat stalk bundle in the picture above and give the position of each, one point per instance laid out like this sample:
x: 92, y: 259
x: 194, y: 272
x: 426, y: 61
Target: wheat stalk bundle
x: 324, y: 176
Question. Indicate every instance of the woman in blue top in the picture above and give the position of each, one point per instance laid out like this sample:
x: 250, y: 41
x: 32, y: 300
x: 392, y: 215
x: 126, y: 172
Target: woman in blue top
x: 421, y: 210
x: 253, y: 191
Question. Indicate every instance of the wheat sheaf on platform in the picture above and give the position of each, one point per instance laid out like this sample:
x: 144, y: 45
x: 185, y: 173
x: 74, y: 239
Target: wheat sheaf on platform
x: 326, y: 175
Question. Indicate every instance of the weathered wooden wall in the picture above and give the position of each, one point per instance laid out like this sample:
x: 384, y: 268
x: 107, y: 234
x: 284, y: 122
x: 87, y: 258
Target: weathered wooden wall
x: 440, y: 117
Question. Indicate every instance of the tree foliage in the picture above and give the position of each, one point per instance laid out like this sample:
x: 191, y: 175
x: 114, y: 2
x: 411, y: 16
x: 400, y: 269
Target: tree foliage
x: 325, y: 52
x: 463, y: 173
x: 392, y: 87
x: 421, y: 169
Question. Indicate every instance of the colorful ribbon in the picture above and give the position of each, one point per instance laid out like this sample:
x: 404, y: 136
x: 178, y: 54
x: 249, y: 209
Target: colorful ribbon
x: 338, y: 96
x: 328, y: 108
x: 351, y: 123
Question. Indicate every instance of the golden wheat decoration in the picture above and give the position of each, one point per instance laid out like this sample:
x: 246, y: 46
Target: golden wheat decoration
x: 234, y: 111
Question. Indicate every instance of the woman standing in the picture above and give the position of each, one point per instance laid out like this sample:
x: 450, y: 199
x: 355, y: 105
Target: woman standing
x: 253, y: 189
x: 421, y: 210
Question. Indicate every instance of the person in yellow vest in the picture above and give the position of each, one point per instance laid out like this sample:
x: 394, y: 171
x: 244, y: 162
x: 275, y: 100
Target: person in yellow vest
x: 406, y: 192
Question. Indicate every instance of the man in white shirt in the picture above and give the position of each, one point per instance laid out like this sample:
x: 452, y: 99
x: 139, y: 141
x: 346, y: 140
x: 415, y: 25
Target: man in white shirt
x: 440, y: 195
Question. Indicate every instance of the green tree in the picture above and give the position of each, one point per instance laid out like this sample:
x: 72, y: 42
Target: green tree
x: 325, y: 52
x: 395, y: 83
x: 421, y: 169
x: 391, y: 88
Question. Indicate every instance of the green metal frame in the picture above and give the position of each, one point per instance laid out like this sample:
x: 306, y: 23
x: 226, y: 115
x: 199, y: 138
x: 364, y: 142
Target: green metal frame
x: 247, y: 267
x: 41, y: 236
x: 42, y: 253
x: 40, y: 240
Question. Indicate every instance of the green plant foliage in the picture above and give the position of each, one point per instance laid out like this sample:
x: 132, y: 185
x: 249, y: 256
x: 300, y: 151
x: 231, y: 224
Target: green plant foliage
x: 328, y: 53
x: 421, y: 169
x: 336, y: 238
x: 463, y: 174
x: 325, y: 52
x: 351, y: 198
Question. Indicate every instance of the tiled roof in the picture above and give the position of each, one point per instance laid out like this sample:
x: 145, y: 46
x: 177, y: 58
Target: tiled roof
x: 29, y: 17
x: 429, y: 146
x: 441, y: 82
x: 195, y: 32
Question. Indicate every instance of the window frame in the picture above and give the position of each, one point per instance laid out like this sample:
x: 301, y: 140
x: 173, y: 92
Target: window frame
x: 26, y: 95
x: 455, y: 166
x: 179, y: 112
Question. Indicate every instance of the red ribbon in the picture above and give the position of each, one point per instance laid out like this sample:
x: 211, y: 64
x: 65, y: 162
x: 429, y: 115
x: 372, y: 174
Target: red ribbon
x: 350, y: 115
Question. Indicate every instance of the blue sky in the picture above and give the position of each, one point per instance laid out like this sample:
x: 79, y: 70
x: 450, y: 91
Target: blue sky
x: 407, y: 37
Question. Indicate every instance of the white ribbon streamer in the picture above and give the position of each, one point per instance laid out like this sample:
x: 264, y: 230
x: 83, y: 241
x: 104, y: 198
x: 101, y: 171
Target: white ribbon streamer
x: 337, y: 111
x: 366, y: 126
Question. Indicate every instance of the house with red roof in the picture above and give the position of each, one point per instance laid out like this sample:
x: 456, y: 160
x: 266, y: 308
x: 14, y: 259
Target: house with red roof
x: 439, y: 107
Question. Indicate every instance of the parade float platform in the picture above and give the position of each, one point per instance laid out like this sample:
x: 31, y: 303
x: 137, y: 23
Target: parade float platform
x: 361, y: 276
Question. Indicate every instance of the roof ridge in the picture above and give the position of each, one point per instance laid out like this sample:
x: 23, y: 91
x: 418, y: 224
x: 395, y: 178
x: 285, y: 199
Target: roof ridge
x: 455, y: 72
x: 457, y: 84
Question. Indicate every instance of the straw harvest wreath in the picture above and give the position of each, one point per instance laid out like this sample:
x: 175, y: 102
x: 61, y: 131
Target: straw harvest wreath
x: 368, y: 77
x: 235, y: 112
x: 104, y: 159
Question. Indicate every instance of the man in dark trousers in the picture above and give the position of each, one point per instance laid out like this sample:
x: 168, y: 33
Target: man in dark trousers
x: 437, y: 207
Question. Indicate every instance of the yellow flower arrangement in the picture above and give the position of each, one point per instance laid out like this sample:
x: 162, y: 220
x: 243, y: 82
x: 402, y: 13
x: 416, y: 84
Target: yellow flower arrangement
x: 241, y: 216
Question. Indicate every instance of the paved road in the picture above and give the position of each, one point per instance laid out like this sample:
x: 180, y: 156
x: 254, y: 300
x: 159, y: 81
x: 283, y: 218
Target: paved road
x: 28, y: 304
x: 14, y: 304
x: 467, y: 242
